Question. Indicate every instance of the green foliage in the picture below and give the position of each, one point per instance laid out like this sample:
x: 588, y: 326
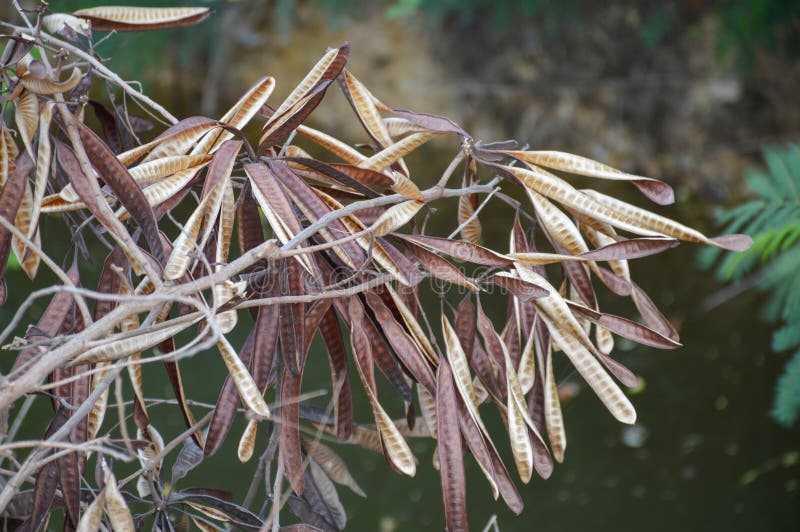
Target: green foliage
x: 773, y: 220
x: 502, y: 12
x: 745, y: 26
x: 748, y: 26
x: 787, y: 393
x: 657, y: 26
x: 12, y: 264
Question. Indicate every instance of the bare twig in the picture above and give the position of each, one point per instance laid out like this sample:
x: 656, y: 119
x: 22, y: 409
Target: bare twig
x: 474, y: 214
x: 61, y: 274
x: 431, y: 194
x: 103, y: 71
x: 34, y: 460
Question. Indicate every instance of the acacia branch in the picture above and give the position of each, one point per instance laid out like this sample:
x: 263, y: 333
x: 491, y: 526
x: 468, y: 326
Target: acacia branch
x: 269, y: 250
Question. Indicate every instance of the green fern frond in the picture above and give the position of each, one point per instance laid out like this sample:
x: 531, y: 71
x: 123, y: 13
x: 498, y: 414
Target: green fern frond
x: 786, y: 408
x: 765, y: 246
x: 787, y: 337
x: 772, y: 219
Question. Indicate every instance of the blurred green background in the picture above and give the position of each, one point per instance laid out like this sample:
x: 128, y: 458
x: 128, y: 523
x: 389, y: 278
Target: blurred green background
x: 689, y: 91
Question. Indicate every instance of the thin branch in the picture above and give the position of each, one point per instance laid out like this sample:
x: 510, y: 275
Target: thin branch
x: 168, y: 448
x: 96, y: 445
x: 429, y: 195
x: 34, y: 460
x: 22, y: 14
x: 375, y: 282
x: 103, y: 71
x: 474, y: 214
x: 60, y: 273
x: 448, y: 172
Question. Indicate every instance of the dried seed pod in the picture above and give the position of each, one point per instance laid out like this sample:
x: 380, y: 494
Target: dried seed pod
x: 117, y: 509
x: 128, y: 18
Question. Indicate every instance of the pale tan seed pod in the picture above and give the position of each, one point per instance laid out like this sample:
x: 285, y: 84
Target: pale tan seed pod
x: 62, y: 23
x: 210, y: 511
x: 43, y: 159
x: 515, y: 394
x: 239, y: 115
x: 417, y: 333
x: 481, y: 394
x: 553, y: 418
x: 394, y: 445
x: 131, y: 323
x: 296, y: 151
x: 364, y: 103
x: 129, y: 18
x: 93, y: 515
x: 26, y: 117
x: 185, y: 244
x: 308, y: 82
x: 472, y: 229
x: 521, y: 447
x: 555, y: 188
x: 161, y: 191
x: 247, y: 388
x: 174, y: 144
x: 605, y: 340
x: 148, y: 458
x: 427, y: 404
x: 48, y: 86
x: 389, y: 155
x: 567, y: 333
x: 366, y: 437
x: 574, y: 164
x: 177, y: 144
x: 117, y: 509
x: 27, y: 258
x: 460, y: 366
x: 342, y: 150
x: 368, y: 107
x: 6, y: 160
x: 54, y: 205
x: 127, y: 346
x: 557, y: 224
x: 393, y: 442
x: 158, y: 169
x: 224, y: 291
x: 403, y: 185
x: 526, y: 372
x: 660, y: 225
x: 98, y: 411
x: 248, y: 441
x: 397, y: 127
x: 395, y: 217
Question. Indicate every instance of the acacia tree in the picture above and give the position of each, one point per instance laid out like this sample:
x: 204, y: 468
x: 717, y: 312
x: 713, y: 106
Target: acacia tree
x: 337, y: 245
